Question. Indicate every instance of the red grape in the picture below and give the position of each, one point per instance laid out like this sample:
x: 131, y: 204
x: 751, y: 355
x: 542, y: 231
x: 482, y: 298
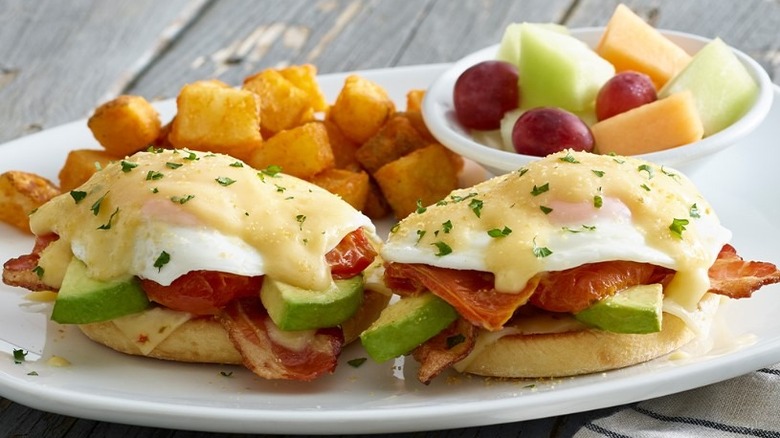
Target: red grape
x: 484, y: 92
x: 625, y: 91
x: 545, y: 130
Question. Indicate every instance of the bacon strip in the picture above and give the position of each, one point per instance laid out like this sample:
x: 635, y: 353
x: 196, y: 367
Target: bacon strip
x: 735, y: 278
x: 247, y: 325
x: 451, y: 345
x: 20, y: 272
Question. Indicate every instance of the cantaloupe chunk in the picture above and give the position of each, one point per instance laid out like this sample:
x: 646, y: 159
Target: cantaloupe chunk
x: 630, y: 43
x: 663, y: 124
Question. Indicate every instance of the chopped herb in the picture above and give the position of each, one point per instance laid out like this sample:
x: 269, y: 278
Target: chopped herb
x: 300, y: 219
x: 496, y: 232
x: 678, y: 226
x: 191, y: 157
x: 279, y: 188
x: 272, y: 171
x: 355, y: 363
x: 456, y: 198
x: 521, y: 171
x: 77, y: 195
x: 444, y: 249
x: 541, y: 189
x: 644, y: 186
x: 532, y: 385
x: 173, y: 165
x: 19, y: 356
x: 98, y: 166
x: 96, y: 205
x: 455, y: 340
x: 670, y: 174
x: 153, y: 176
x: 224, y: 181
x: 420, y: 208
x: 694, y: 211
x: 598, y: 173
x: 541, y: 252
x: 569, y: 158
x: 127, y: 166
x: 107, y: 225
x: 32, y: 373
x: 545, y: 210
x: 598, y: 201
x: 646, y: 168
x: 446, y: 227
x: 181, y: 199
x: 476, y: 206
x: 38, y: 270
x: 236, y: 164
x: 226, y: 373
x: 394, y: 229
x: 155, y: 190
x: 420, y: 234
x: 162, y: 260
x: 154, y: 150
x: 584, y: 228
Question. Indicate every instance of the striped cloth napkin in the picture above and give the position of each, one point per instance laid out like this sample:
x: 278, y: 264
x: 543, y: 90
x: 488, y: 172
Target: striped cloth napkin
x: 745, y: 406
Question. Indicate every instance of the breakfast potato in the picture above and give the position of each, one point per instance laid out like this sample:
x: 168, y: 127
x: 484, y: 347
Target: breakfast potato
x: 351, y: 186
x: 125, y: 125
x: 343, y: 148
x: 282, y: 104
x: 393, y: 140
x: 212, y: 116
x: 376, y: 205
x: 20, y: 194
x: 425, y: 175
x: 80, y: 165
x: 305, y: 77
x: 414, y: 100
x: 361, y: 108
x: 303, y: 151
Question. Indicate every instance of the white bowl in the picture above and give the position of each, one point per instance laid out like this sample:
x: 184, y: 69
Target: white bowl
x: 439, y: 113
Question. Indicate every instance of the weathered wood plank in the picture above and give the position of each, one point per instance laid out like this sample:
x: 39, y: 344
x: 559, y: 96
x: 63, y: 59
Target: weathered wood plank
x: 57, y: 63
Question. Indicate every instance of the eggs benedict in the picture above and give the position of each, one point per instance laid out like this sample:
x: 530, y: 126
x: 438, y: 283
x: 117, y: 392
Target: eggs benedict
x: 197, y: 257
x: 538, y: 264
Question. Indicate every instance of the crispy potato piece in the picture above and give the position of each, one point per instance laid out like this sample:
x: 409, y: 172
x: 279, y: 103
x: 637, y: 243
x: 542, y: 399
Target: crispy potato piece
x: 414, y: 100
x: 214, y: 117
x: 343, y: 148
x: 416, y: 119
x: 349, y: 185
x: 303, y: 151
x: 162, y: 140
x: 425, y: 175
x: 282, y: 104
x: 125, y: 125
x: 361, y: 108
x: 82, y: 164
x: 376, y: 205
x: 394, y: 140
x: 20, y: 194
x: 305, y: 77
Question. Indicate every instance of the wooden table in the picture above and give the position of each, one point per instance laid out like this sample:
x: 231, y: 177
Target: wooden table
x: 58, y: 60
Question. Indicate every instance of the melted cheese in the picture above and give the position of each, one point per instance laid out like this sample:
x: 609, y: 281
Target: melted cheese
x: 148, y: 329
x: 205, y: 211
x: 566, y: 210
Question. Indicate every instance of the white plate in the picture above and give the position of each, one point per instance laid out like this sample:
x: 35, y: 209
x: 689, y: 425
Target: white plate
x: 104, y: 385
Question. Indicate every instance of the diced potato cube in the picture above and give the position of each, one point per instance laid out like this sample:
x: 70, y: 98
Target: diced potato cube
x: 361, y: 108
x: 125, y: 125
x: 343, y: 148
x: 82, y: 164
x: 414, y: 100
x: 282, y: 104
x: 20, y: 194
x: 376, y: 205
x: 425, y: 175
x: 393, y: 140
x: 303, y: 151
x: 349, y: 185
x: 305, y: 77
x: 214, y: 117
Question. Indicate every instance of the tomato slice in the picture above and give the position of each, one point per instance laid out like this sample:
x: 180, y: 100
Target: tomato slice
x: 351, y: 256
x: 202, y: 292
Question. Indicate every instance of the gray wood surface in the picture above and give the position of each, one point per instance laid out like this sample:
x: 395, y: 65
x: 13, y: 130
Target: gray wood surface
x: 58, y: 60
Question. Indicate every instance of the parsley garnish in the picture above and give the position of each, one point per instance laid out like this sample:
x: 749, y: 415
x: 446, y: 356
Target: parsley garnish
x: 181, y: 199
x: 127, y: 166
x: 394, y: 229
x: 420, y: 234
x: 598, y: 173
x: 645, y: 186
x: 678, y: 226
x: 162, y: 260
x: 694, y: 211
x: 476, y: 206
x: 355, y: 363
x: 420, y: 208
x: 455, y: 340
x: 192, y: 157
x: 154, y: 150
x: 107, y: 225
x: 152, y: 175
x: 224, y: 181
x: 536, y: 191
x: 236, y: 164
x: 226, y: 373
x: 541, y: 252
x: 446, y: 226
x: 271, y: 171
x: 38, y: 270
x: 456, y: 198
x: 497, y: 232
x: 96, y: 205
x: 584, y: 228
x: 521, y: 171
x: 19, y: 356
x: 77, y: 195
x: 598, y: 201
x: 443, y: 248
x: 173, y: 165
x: 646, y: 168
x: 569, y: 158
x: 32, y: 373
x: 545, y: 210
x: 300, y: 219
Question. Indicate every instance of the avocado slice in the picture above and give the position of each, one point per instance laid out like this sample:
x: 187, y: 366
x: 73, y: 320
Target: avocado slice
x: 406, y: 324
x: 83, y: 300
x: 636, y: 309
x: 294, y: 308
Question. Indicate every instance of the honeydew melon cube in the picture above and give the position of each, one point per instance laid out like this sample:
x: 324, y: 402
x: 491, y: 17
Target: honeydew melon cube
x: 721, y: 86
x: 559, y: 70
x: 509, y: 49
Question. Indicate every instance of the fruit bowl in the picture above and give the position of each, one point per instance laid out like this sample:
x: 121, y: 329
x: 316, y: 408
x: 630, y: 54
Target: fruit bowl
x: 439, y: 114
